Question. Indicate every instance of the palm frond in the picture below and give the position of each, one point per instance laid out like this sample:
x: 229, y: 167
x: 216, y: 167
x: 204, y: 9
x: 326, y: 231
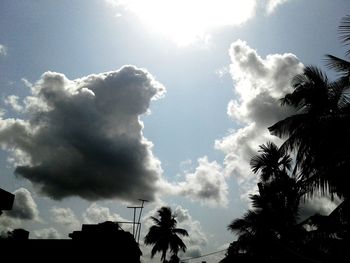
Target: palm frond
x: 180, y: 231
x: 152, y: 235
x: 245, y: 224
x: 339, y: 92
x: 315, y: 75
x: 156, y: 220
x: 176, y: 244
x: 340, y: 65
x: 344, y: 31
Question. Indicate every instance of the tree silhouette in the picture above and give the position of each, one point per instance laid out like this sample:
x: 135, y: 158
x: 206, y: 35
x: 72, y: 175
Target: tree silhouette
x: 319, y: 133
x: 272, y: 162
x: 321, y: 125
x: 340, y: 65
x: 273, y: 220
x: 164, y: 234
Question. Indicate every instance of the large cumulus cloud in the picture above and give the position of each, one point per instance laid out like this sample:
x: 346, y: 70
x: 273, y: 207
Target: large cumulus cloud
x: 84, y: 137
x: 258, y: 85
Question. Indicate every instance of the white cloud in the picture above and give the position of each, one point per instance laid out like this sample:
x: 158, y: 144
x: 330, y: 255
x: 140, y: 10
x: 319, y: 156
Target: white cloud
x: 24, y: 206
x: 182, y: 214
x: 273, y: 4
x: 84, y: 137
x: 258, y: 84
x: 95, y: 214
x: 47, y: 233
x: 12, y: 101
x: 197, y: 240
x: 8, y: 224
x: 206, y: 185
x: 185, y: 21
x: 65, y: 217
x: 3, y: 50
x: 26, y: 83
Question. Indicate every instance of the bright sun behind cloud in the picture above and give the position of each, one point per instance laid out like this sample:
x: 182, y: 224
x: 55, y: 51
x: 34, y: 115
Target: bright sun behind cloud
x: 185, y: 21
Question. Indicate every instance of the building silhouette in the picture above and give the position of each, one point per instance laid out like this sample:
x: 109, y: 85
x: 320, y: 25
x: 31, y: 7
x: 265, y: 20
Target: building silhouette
x: 103, y: 242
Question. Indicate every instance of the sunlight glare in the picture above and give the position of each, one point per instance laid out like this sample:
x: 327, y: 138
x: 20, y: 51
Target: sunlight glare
x: 184, y: 21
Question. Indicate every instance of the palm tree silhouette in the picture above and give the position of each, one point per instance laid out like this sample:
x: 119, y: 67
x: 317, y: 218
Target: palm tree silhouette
x: 319, y: 133
x: 273, y: 219
x: 272, y: 162
x: 340, y: 65
x: 320, y: 125
x: 164, y: 234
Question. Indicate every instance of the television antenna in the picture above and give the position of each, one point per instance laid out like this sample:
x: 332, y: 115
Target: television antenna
x: 136, y: 232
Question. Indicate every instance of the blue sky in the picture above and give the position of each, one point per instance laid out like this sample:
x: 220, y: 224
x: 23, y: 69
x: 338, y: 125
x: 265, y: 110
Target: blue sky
x: 208, y: 74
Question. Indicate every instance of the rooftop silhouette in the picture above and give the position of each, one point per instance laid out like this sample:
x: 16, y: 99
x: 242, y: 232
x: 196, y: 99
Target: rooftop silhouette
x: 104, y: 241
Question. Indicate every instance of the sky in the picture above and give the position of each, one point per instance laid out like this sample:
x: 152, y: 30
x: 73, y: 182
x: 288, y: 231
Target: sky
x: 104, y: 102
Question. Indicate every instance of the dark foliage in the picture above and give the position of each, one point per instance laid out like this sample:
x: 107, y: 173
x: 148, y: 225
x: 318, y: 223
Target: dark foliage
x: 164, y: 234
x: 317, y: 135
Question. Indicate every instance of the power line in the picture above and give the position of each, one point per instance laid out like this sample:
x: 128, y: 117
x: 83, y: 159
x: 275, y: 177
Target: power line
x: 209, y: 254
x: 219, y: 251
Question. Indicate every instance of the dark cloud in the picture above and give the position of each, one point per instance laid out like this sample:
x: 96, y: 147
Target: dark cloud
x: 84, y: 137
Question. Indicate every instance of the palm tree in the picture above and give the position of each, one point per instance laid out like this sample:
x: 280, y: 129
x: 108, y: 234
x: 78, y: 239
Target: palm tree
x: 319, y: 133
x: 164, y: 234
x: 278, y: 191
x: 320, y: 126
x: 272, y: 163
x: 340, y: 65
x: 273, y: 219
